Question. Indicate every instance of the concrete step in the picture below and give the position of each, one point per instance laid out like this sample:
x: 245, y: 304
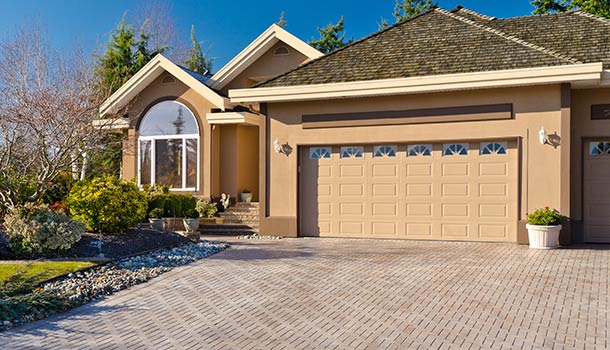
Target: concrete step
x: 228, y: 229
x: 239, y: 216
x: 247, y: 205
x: 242, y: 210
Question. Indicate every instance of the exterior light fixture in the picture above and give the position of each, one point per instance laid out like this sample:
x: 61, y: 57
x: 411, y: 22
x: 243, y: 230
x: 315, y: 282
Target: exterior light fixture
x: 277, y: 146
x: 542, y: 136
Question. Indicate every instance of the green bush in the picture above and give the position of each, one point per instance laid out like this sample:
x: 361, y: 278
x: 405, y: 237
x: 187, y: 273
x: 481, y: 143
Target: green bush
x: 58, y: 189
x: 107, y: 203
x: 206, y: 209
x: 544, y: 217
x: 156, y: 213
x: 172, y: 204
x: 38, y: 229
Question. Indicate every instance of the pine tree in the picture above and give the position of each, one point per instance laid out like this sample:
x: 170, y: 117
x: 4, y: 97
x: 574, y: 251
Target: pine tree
x: 198, y: 60
x: 595, y: 7
x: 405, y: 9
x: 331, y: 38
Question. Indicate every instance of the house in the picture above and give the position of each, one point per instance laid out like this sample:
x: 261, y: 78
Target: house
x: 452, y: 126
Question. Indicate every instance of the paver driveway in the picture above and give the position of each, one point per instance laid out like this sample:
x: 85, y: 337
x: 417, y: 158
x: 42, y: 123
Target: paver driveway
x: 351, y: 294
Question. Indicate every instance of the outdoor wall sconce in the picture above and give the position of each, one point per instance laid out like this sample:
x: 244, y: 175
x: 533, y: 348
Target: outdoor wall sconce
x: 282, y: 149
x: 542, y: 136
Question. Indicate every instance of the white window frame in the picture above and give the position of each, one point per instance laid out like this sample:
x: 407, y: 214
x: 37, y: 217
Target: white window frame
x: 484, y: 145
x: 377, y: 149
x: 427, y: 146
x: 328, y: 150
x: 593, y: 145
x: 447, y: 145
x: 359, y: 149
x: 153, y: 150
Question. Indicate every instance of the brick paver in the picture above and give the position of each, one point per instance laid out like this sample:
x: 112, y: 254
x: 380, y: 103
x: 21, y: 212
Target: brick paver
x: 351, y: 294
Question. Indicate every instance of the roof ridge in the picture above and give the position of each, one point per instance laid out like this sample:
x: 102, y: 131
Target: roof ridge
x: 471, y: 12
x: 510, y: 37
x: 592, y: 16
x: 388, y: 28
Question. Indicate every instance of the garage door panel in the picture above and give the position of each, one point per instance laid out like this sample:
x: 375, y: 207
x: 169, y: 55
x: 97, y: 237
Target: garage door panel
x: 425, y: 195
x: 596, y: 191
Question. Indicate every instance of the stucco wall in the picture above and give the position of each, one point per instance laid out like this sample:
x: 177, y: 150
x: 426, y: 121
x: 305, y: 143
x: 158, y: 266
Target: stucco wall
x: 533, y: 107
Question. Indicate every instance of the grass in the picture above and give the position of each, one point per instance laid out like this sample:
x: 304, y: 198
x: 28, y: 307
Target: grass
x: 37, y: 272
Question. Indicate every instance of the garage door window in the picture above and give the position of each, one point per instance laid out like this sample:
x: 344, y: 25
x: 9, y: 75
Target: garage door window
x: 352, y: 152
x: 319, y: 152
x: 384, y: 151
x: 598, y: 148
x: 493, y: 148
x: 419, y: 150
x: 455, y: 149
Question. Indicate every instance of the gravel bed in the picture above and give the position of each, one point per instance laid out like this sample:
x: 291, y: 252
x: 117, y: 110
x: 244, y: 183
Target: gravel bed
x: 257, y: 237
x: 81, y: 287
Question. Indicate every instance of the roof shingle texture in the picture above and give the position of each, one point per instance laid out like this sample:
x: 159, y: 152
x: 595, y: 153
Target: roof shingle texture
x: 439, y: 42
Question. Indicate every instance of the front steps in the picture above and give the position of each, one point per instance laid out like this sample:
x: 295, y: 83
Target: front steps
x: 239, y: 219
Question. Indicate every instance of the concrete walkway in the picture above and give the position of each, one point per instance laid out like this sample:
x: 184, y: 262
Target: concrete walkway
x: 351, y: 294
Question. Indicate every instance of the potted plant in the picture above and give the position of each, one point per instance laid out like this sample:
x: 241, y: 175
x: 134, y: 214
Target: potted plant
x: 156, y: 219
x: 543, y: 226
x: 207, y: 211
x: 246, y: 195
x: 191, y: 221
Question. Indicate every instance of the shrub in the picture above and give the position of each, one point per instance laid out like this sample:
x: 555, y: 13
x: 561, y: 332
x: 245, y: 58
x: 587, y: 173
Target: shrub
x: 107, y: 203
x: 191, y: 214
x: 544, y: 217
x: 172, y: 204
x: 39, y: 229
x: 206, y: 209
x: 58, y: 189
x: 156, y: 213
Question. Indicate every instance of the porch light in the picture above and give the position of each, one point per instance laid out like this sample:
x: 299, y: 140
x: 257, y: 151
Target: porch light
x: 277, y: 146
x: 542, y: 136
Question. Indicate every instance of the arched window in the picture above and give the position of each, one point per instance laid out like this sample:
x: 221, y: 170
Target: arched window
x: 168, y: 147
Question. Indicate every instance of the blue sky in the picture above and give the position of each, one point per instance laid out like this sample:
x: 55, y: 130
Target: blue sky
x: 228, y: 25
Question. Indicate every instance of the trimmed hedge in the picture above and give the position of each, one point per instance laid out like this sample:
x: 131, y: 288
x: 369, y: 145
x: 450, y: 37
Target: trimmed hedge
x: 172, y: 204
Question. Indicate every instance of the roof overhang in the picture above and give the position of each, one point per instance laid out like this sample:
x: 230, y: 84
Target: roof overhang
x: 582, y: 75
x: 111, y: 123
x: 245, y: 118
x: 151, y: 71
x: 256, y: 49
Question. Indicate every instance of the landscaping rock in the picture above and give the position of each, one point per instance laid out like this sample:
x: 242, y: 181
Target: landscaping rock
x: 81, y: 287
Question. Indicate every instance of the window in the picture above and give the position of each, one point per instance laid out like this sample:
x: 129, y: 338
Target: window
x: 168, y: 147
x: 352, y: 152
x: 384, y: 151
x: 419, y: 150
x: 489, y: 148
x: 455, y: 149
x: 319, y: 152
x: 598, y: 148
x: 281, y: 51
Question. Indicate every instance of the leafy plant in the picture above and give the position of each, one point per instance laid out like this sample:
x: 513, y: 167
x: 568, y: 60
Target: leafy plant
x: 191, y: 214
x: 107, y: 204
x: 39, y: 229
x: 58, y: 189
x: 245, y: 190
x: 156, y: 213
x: 206, y: 209
x: 544, y: 217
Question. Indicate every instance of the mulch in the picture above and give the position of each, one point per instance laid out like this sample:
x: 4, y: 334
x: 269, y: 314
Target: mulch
x: 115, y: 246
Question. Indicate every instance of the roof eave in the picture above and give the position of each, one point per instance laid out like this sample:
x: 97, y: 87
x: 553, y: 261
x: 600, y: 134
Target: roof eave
x: 590, y: 73
x: 151, y: 71
x: 256, y: 49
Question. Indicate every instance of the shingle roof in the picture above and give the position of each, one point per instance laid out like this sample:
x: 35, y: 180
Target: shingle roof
x: 461, y: 41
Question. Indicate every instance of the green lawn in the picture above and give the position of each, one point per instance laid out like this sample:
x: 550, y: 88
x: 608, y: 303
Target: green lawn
x: 41, y: 271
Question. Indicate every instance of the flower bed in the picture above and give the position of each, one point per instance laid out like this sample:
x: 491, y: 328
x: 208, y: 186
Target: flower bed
x: 78, y: 288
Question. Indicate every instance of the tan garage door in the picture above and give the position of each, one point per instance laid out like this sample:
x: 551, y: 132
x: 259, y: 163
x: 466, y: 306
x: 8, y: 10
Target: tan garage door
x: 450, y: 191
x: 597, y: 191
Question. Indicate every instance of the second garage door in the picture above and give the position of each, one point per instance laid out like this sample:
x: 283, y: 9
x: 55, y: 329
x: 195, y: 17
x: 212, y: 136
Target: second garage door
x: 446, y: 191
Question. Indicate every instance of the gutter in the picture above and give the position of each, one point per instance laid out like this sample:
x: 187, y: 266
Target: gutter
x: 589, y: 74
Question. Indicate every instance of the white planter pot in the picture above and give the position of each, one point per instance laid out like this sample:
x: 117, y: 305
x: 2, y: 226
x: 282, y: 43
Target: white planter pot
x: 543, y: 237
x: 191, y: 225
x: 246, y: 197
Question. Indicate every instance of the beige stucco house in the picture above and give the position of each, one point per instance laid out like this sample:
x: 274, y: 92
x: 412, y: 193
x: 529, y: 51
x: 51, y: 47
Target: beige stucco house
x: 451, y: 126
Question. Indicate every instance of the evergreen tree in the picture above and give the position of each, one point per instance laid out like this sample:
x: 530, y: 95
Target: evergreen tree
x: 331, y: 38
x: 595, y: 7
x: 405, y: 9
x: 282, y: 21
x: 126, y: 53
x: 198, y: 60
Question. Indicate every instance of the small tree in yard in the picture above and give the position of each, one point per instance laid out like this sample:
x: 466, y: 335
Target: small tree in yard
x: 198, y: 60
x: 47, y: 105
